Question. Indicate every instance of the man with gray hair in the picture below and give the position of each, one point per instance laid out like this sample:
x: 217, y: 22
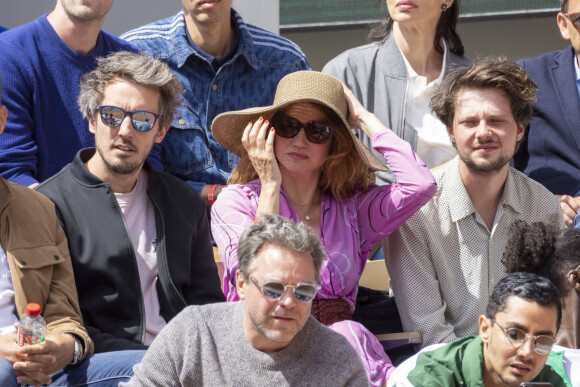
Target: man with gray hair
x: 138, y: 238
x: 269, y: 337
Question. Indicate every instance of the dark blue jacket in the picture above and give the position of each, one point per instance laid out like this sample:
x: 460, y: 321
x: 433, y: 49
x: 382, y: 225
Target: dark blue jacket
x: 550, y: 152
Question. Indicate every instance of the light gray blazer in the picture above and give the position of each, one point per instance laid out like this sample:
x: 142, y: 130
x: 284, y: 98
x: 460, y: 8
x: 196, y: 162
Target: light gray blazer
x: 377, y: 76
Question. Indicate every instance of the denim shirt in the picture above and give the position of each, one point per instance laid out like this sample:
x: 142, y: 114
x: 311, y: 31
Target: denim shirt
x: 248, y: 79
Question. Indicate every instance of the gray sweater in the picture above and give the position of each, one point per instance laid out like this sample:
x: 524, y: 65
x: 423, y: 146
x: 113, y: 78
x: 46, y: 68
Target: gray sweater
x: 377, y: 76
x: 206, y: 346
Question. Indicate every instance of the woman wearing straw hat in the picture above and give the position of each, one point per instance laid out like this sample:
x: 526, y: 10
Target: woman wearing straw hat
x: 300, y: 159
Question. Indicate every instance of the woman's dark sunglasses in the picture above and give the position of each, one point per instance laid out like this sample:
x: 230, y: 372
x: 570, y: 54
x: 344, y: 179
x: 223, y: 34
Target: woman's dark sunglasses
x: 317, y: 132
x: 575, y: 19
x: 113, y: 116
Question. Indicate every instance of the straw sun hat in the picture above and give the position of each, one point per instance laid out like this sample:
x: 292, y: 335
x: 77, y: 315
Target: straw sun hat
x: 300, y: 86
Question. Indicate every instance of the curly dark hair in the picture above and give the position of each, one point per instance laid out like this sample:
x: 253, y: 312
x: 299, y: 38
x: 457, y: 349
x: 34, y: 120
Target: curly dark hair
x: 445, y: 30
x: 528, y: 286
x: 564, y: 6
x: 543, y: 249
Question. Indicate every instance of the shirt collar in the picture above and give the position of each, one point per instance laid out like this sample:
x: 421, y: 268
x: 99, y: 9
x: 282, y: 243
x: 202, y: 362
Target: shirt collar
x: 216, y: 62
x: 454, y: 191
x: 245, y: 44
x: 577, y: 71
x: 411, y: 73
x: 510, y: 196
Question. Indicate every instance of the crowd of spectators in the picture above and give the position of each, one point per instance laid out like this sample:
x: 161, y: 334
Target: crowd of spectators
x: 190, y: 204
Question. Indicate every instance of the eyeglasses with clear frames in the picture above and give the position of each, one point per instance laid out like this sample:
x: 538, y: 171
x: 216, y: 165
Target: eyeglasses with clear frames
x: 516, y: 337
x: 274, y: 290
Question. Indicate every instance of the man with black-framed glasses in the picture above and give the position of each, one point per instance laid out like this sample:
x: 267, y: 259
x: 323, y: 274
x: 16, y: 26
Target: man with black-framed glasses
x: 550, y: 153
x: 138, y: 238
x: 514, y: 344
x: 269, y: 337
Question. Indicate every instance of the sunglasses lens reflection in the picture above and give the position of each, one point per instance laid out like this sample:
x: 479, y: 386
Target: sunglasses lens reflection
x: 143, y: 121
x: 302, y: 292
x: 543, y: 344
x: 317, y: 132
x: 112, y: 116
x: 273, y: 290
x: 286, y: 126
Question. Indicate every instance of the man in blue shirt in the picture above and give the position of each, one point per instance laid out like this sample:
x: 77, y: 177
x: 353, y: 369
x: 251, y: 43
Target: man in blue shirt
x: 224, y: 64
x: 549, y: 153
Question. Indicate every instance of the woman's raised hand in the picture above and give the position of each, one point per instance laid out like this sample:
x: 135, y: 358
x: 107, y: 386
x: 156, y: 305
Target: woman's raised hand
x: 359, y: 117
x: 261, y: 151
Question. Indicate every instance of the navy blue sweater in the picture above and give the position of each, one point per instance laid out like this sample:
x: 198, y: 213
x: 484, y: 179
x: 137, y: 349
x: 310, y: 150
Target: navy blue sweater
x: 40, y: 86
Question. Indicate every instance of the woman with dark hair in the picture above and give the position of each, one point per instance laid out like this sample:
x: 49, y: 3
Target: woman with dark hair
x: 414, y: 48
x: 301, y: 160
x: 553, y: 253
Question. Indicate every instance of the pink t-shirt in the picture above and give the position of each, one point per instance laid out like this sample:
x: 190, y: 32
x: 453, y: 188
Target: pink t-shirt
x: 140, y: 220
x: 347, y: 230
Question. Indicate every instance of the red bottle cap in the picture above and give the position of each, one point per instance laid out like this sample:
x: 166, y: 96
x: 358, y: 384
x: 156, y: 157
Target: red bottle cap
x: 33, y: 309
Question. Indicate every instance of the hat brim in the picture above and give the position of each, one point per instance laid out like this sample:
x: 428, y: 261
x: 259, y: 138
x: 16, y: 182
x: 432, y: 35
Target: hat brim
x: 227, y: 129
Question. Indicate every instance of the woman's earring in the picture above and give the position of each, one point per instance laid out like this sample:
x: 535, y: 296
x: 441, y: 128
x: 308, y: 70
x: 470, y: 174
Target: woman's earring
x: 443, y: 7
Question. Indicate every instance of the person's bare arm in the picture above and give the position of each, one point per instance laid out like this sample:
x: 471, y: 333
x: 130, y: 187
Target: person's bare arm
x: 261, y: 152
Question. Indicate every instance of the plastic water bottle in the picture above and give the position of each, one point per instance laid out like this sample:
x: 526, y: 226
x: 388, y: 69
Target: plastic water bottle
x: 32, y: 327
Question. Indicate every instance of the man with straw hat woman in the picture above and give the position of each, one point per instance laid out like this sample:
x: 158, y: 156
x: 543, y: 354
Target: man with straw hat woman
x: 300, y: 159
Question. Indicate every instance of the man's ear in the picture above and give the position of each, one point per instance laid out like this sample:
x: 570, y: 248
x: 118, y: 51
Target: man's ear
x: 92, y: 125
x: 563, y: 25
x: 484, y: 328
x: 240, y: 285
x: 161, y: 134
x: 451, y: 135
x: 574, y: 279
x: 520, y: 132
